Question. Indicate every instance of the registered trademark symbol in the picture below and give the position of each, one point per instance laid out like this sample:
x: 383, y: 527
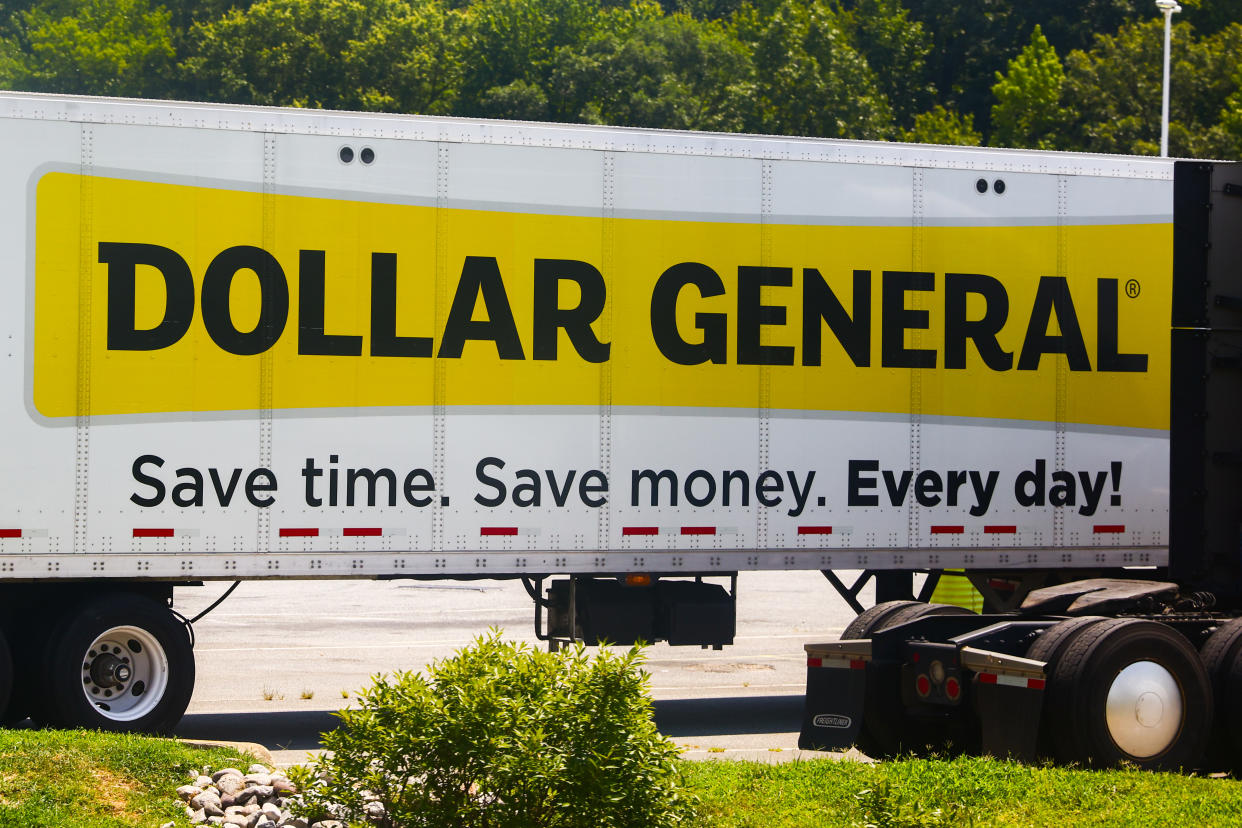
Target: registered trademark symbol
x: 1132, y: 288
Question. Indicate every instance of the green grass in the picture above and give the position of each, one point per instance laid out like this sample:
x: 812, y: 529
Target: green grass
x: 62, y: 779
x: 958, y: 792
x: 56, y: 779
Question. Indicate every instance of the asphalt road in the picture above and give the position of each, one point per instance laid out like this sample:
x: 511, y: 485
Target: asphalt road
x: 278, y: 657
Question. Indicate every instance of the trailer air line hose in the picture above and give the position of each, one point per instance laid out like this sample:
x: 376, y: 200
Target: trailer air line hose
x: 189, y: 622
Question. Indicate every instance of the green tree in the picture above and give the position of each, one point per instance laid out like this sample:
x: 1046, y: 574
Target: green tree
x: 809, y: 79
x: 413, y: 61
x: 518, y: 40
x: 1210, y: 16
x: 971, y: 39
x: 943, y: 126
x: 666, y: 71
x: 896, y: 48
x: 1027, y: 112
x: 97, y: 47
x: 1114, y: 90
x: 283, y: 52
x: 1231, y: 122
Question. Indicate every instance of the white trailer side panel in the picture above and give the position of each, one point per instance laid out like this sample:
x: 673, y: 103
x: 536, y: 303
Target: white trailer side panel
x: 391, y: 405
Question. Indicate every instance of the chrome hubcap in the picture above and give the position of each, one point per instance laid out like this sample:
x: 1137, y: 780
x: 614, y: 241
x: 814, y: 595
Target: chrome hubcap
x: 124, y: 673
x: 1144, y: 710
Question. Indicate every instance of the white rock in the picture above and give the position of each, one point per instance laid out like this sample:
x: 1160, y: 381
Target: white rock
x: 188, y: 792
x: 208, y: 799
x: 257, y: 768
x: 215, y: 777
x: 203, y: 781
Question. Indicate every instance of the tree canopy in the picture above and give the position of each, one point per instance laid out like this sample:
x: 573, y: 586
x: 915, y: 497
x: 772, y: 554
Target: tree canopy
x: 1084, y: 75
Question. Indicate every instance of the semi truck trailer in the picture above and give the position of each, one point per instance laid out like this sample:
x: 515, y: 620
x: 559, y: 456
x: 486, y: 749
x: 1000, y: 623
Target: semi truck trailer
x: 622, y: 365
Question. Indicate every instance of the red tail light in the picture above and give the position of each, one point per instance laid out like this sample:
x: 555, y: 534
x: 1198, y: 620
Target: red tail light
x: 952, y: 688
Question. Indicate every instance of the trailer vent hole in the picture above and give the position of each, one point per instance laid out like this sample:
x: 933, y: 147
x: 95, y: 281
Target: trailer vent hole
x: 981, y: 186
x: 998, y: 186
x: 346, y: 155
x: 367, y: 155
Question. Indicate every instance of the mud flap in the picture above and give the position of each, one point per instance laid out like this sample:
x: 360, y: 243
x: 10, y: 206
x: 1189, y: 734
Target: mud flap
x: 836, y: 683
x: 1008, y: 707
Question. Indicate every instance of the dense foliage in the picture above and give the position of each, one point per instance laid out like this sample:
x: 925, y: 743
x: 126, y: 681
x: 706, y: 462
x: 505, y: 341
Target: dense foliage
x: 502, y: 736
x: 1080, y: 75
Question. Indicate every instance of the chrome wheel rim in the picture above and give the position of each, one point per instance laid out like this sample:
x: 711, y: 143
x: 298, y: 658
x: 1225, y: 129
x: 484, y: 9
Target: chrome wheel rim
x: 124, y: 673
x: 1144, y: 710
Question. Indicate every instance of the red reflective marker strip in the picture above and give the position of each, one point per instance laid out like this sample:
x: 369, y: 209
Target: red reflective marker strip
x: 1012, y: 681
x: 698, y: 530
x: 362, y: 532
x: 814, y: 530
x: 153, y: 533
x: 1001, y: 530
x: 814, y: 662
x: 1109, y: 528
x: 10, y: 533
x: 486, y: 531
x: 857, y: 664
x: 640, y: 530
x: 948, y: 530
x: 299, y: 533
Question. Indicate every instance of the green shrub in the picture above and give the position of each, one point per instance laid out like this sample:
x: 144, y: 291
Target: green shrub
x: 499, y: 735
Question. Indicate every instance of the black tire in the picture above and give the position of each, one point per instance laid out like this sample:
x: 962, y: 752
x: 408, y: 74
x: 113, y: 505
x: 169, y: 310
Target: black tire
x: 886, y: 730
x: 1052, y: 642
x: 6, y: 673
x: 27, y: 645
x: 1165, y: 727
x: 122, y: 662
x: 1048, y: 648
x: 1222, y: 658
x: 870, y: 619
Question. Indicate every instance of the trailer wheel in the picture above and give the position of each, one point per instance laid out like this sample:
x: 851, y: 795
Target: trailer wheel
x: 122, y: 663
x: 1130, y: 690
x: 886, y: 730
x: 1222, y: 658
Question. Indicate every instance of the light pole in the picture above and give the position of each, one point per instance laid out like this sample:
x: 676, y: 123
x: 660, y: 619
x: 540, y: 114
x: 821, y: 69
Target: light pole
x: 1169, y: 8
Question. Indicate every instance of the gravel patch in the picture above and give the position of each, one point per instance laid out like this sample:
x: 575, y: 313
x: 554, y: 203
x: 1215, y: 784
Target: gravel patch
x: 260, y: 797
